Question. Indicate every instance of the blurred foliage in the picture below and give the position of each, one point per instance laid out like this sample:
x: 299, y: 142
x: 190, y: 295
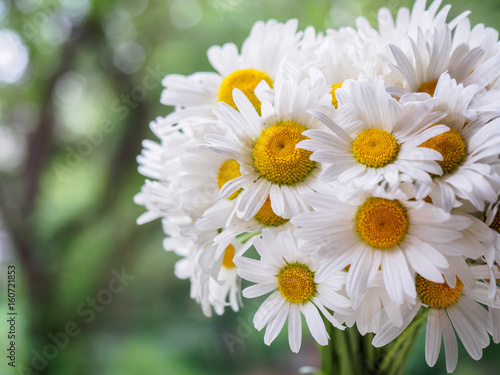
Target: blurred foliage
x: 76, y: 120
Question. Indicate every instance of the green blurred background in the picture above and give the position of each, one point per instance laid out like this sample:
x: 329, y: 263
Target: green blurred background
x: 79, y: 82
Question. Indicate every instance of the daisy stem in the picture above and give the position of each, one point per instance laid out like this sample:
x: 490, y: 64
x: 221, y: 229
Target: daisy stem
x: 327, y: 352
x: 349, y: 353
x: 368, y: 350
x: 355, y: 348
x: 336, y: 357
x: 402, y: 358
x: 398, y: 352
x: 326, y: 359
x: 343, y: 352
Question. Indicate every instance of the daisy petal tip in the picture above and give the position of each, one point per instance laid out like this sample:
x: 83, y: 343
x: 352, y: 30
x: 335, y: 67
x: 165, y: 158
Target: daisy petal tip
x: 339, y: 326
x: 376, y: 343
x: 245, y: 293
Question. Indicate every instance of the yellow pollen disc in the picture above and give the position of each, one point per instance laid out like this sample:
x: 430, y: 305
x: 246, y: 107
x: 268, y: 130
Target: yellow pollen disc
x: 276, y: 157
x: 228, y: 171
x: 495, y: 225
x: 437, y: 295
x: 227, y: 261
x: 267, y: 217
x: 296, y: 283
x: 429, y: 87
x: 334, y: 98
x: 246, y: 80
x: 375, y: 148
x: 381, y: 223
x: 452, y: 147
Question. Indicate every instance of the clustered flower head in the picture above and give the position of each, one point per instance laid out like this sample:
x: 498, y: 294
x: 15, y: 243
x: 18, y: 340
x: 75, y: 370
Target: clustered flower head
x: 352, y: 175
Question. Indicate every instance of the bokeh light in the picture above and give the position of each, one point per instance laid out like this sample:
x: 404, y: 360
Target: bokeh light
x: 12, y: 148
x: 14, y: 57
x: 185, y: 13
x: 4, y: 8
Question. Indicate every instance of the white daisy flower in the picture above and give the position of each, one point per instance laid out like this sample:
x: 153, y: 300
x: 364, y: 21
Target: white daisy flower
x: 451, y: 309
x: 390, y: 31
x: 262, y: 53
x: 471, y: 167
x: 432, y: 55
x: 376, y: 138
x: 270, y: 164
x: 368, y: 230
x: 469, y: 149
x: 290, y: 275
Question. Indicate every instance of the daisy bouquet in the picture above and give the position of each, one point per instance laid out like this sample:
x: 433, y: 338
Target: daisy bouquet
x: 352, y: 176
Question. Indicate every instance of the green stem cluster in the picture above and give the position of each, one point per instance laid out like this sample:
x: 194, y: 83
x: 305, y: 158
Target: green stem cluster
x: 349, y: 353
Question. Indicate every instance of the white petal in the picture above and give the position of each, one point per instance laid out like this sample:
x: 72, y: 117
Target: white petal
x: 294, y: 328
x: 389, y: 332
x: 450, y: 342
x: 276, y: 324
x: 422, y: 264
x: 432, y: 338
x: 258, y: 290
x: 270, y: 308
x: 361, y: 274
x: 465, y: 331
x: 315, y: 323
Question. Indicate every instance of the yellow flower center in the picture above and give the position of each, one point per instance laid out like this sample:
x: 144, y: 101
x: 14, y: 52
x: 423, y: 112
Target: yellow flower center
x: 336, y: 86
x: 495, y: 225
x: 276, y: 157
x: 381, y: 223
x: 375, y: 148
x: 437, y: 295
x: 246, y: 80
x: 452, y: 147
x: 429, y: 87
x: 227, y: 261
x: 267, y: 217
x: 296, y: 283
x: 229, y: 170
